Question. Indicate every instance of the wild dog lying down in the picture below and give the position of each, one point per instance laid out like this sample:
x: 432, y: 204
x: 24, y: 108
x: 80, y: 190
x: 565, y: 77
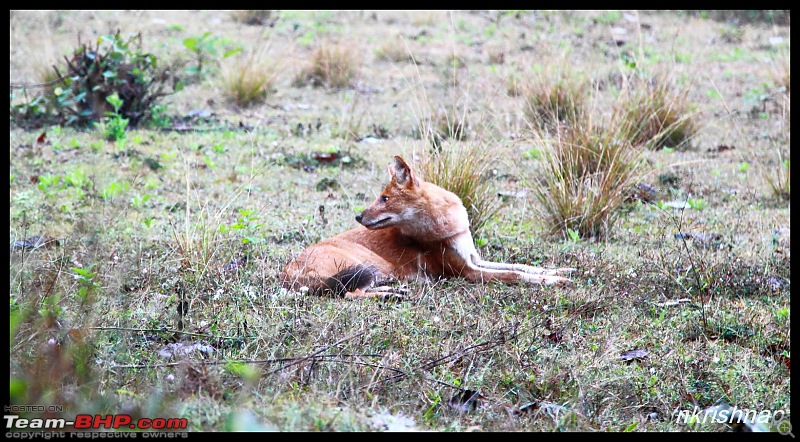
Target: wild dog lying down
x: 414, y: 230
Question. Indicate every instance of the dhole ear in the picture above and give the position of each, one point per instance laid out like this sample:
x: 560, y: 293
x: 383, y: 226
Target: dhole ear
x: 402, y: 172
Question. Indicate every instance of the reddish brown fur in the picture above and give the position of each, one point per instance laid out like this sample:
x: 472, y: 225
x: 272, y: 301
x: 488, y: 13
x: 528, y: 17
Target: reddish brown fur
x: 414, y: 230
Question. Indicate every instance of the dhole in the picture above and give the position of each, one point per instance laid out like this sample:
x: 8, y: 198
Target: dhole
x: 414, y: 230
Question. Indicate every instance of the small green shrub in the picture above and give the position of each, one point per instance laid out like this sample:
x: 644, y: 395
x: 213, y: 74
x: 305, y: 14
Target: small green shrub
x: 115, y: 66
x: 207, y: 49
x: 114, y: 125
x: 114, y: 128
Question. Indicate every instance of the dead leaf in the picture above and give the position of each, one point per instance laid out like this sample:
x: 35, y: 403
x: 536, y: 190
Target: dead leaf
x: 325, y: 157
x: 721, y: 148
x: 632, y: 355
x: 76, y: 335
x: 555, y: 337
x: 465, y: 401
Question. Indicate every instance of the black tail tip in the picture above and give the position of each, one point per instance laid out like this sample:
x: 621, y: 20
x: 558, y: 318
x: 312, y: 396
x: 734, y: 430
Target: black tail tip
x: 351, y: 278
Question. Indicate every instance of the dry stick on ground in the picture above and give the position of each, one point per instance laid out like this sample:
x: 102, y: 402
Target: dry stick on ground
x: 316, y: 353
x: 36, y: 85
x: 164, y: 330
x: 316, y: 356
x: 483, y: 346
x: 321, y: 358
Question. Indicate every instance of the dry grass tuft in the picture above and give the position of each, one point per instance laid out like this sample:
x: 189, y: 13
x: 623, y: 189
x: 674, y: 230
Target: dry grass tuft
x: 589, y: 168
x: 778, y: 179
x: 450, y: 123
x: 453, y: 70
x: 334, y: 67
x: 395, y: 51
x: 781, y: 76
x: 248, y: 80
x: 554, y: 99
x: 256, y: 17
x: 514, y: 86
x: 45, y: 74
x: 659, y: 114
x: 496, y: 56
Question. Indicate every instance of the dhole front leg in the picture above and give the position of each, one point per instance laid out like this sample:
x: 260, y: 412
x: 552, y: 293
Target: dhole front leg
x: 522, y: 268
x: 478, y: 274
x: 464, y: 254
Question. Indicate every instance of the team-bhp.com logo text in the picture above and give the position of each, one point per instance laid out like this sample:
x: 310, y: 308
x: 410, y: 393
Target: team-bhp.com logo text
x: 95, y: 422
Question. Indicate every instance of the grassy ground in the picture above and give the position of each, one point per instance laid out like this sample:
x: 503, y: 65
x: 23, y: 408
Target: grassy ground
x: 160, y: 298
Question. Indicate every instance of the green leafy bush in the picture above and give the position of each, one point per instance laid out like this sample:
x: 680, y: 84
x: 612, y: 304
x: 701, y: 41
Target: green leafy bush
x: 114, y: 66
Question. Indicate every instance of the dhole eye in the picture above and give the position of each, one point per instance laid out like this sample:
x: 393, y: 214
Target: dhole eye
x: 384, y: 199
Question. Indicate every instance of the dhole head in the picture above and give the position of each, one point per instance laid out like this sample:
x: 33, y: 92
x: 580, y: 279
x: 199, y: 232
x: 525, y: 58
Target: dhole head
x: 396, y: 204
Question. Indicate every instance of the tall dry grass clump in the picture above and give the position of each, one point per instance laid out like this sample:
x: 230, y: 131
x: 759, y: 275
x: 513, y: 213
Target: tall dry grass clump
x: 254, y: 17
x: 588, y: 170
x: 781, y: 77
x: 248, y: 80
x: 554, y: 99
x: 462, y: 168
x: 395, y: 51
x: 449, y: 123
x: 778, y: 179
x: 660, y: 114
x: 334, y: 67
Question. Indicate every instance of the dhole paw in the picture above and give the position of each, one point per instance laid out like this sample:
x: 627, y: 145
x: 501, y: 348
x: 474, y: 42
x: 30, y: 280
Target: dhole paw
x: 558, y: 281
x: 392, y: 297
